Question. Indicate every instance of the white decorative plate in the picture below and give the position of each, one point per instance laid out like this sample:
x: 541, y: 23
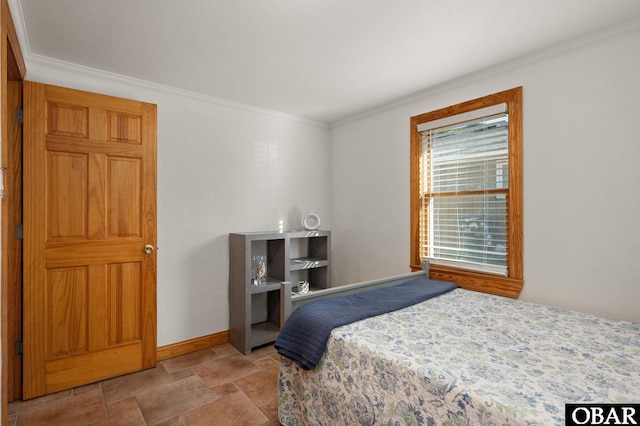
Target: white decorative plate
x: 311, y: 221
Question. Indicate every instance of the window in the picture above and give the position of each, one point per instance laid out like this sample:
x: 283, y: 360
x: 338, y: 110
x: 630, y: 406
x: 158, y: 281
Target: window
x: 466, y: 193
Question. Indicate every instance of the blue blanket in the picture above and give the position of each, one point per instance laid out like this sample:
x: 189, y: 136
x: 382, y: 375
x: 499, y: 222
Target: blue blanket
x: 304, y: 337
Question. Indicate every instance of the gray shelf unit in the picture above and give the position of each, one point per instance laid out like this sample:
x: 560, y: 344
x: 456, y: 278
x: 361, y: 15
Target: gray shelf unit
x: 254, y: 310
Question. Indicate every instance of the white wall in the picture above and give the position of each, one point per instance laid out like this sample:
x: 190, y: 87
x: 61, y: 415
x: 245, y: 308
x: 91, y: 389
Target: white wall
x: 221, y: 168
x: 581, y: 175
x: 225, y: 168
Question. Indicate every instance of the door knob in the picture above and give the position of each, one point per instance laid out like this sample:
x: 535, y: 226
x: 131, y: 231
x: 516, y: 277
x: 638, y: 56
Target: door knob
x: 148, y: 249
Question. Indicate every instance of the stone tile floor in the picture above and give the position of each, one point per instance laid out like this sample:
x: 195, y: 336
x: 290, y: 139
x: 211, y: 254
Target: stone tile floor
x: 217, y: 386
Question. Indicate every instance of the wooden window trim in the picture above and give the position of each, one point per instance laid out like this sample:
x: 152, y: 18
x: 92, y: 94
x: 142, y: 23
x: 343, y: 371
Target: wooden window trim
x: 504, y: 286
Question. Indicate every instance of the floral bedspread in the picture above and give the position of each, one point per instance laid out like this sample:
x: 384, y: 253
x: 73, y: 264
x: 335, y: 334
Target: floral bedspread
x: 464, y: 358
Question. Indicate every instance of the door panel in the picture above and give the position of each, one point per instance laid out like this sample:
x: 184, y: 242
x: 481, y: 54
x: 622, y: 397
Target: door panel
x: 66, y: 195
x: 90, y: 209
x: 67, y: 310
x: 124, y: 197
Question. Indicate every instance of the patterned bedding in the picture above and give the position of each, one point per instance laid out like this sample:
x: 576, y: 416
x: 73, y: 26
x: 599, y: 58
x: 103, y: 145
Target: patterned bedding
x: 464, y: 358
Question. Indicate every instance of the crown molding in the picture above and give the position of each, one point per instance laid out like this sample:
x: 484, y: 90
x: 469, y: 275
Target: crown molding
x: 47, y: 63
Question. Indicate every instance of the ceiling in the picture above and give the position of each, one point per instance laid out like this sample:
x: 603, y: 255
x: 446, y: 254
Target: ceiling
x: 323, y: 60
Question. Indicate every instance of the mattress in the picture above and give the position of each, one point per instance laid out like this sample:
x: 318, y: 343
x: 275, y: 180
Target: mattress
x: 464, y: 358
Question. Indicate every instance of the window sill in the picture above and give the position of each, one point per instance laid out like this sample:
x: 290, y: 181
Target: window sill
x: 476, y: 281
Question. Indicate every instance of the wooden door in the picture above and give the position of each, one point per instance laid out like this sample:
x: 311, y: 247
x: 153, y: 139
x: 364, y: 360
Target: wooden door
x: 89, y: 214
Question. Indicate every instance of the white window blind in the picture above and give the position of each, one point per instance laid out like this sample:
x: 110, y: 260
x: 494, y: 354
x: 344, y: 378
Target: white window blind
x: 464, y: 182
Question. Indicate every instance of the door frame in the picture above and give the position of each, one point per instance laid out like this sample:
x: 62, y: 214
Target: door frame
x: 13, y: 69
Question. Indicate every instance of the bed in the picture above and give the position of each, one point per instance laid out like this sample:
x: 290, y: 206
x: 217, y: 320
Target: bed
x: 460, y: 358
